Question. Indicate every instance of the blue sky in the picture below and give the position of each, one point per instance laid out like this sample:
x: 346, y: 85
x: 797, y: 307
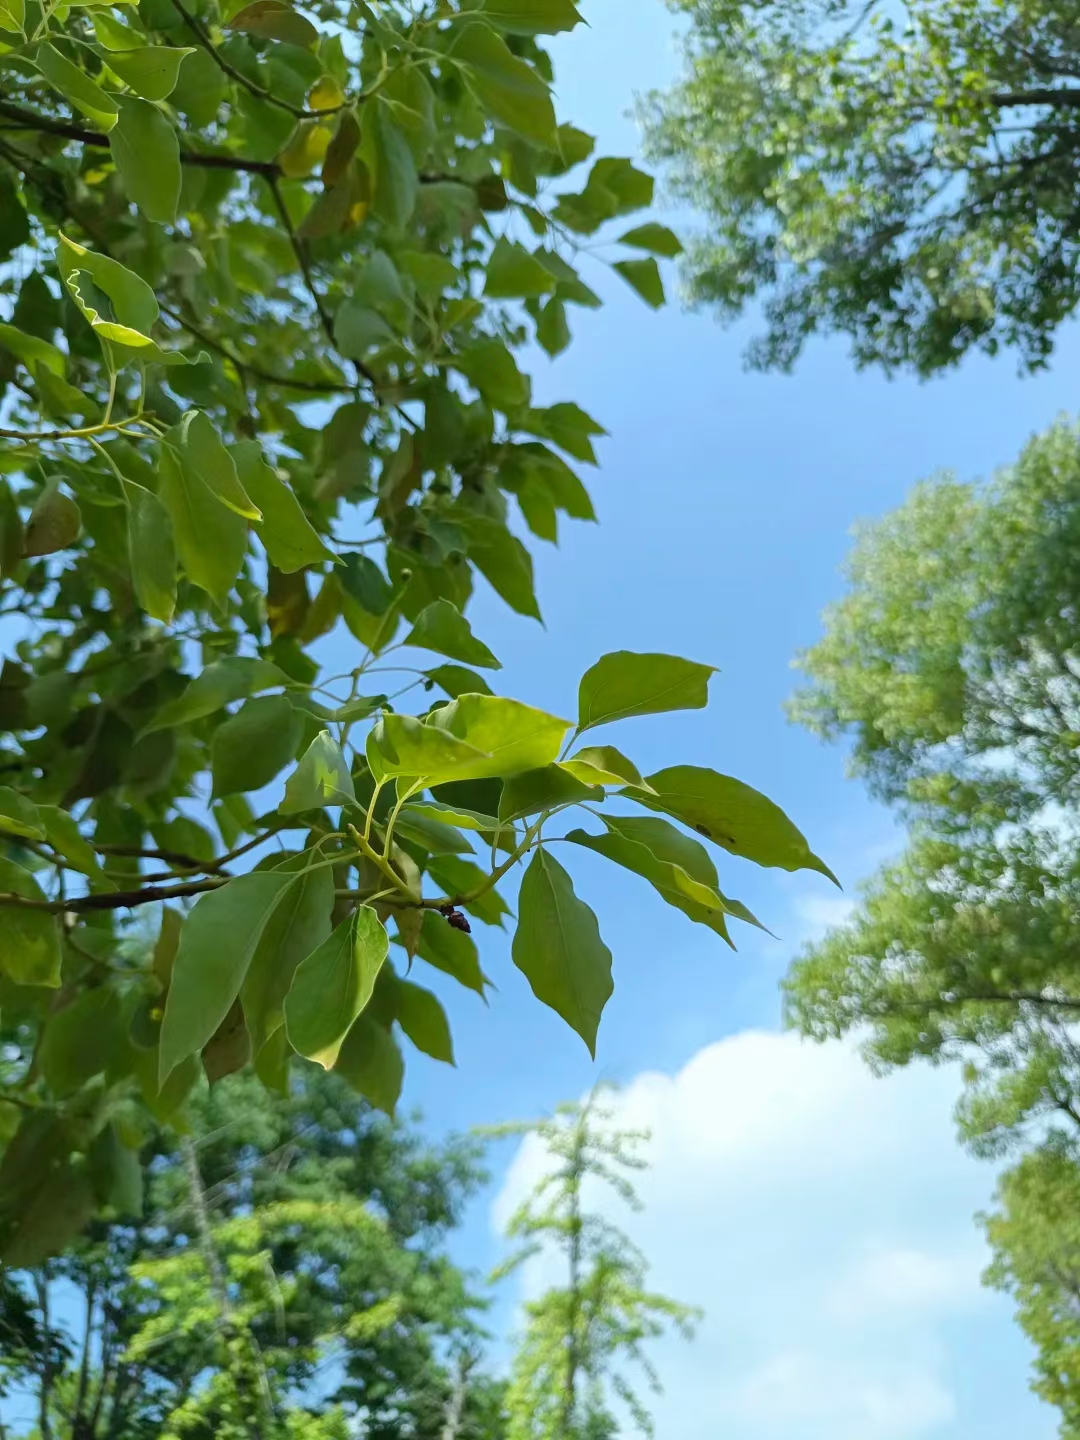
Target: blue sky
x: 725, y: 502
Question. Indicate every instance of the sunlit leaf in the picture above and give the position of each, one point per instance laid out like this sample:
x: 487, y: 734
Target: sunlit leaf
x: 557, y: 947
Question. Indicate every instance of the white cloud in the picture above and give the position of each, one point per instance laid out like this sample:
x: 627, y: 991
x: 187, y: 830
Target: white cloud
x: 816, y: 915
x: 822, y: 1219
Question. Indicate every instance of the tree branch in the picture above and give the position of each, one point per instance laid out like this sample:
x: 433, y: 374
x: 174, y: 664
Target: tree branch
x: 114, y: 899
x: 31, y: 120
x: 314, y: 387
x: 1041, y: 95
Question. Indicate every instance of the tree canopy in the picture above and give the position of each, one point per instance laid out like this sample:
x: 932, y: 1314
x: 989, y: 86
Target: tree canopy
x: 903, y: 175
x: 270, y: 273
x: 953, y: 668
x: 284, y: 1276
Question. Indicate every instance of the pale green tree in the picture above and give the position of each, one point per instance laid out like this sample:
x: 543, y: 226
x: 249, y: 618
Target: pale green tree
x: 581, y: 1335
x: 952, y: 668
x: 905, y: 175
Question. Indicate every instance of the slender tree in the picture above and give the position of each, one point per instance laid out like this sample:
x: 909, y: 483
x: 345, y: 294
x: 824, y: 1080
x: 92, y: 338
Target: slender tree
x: 582, y: 1334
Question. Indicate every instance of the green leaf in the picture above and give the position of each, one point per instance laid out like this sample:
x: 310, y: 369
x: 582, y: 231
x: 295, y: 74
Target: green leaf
x: 211, y: 540
x: 511, y: 737
x: 150, y: 70
x: 531, y: 17
x: 202, y: 450
x: 505, y: 86
x: 552, y: 329
x: 442, y: 628
x: 543, y: 789
x: 513, y: 273
x: 19, y: 816
x: 254, y: 745
x: 222, y: 682
x: 624, y: 683
x: 151, y: 552
x: 54, y: 524
x: 456, y: 680
x: 285, y: 531
x: 423, y: 1020
x: 371, y: 1062
x: 433, y: 836
x: 450, y: 815
x: 146, y: 152
x: 567, y: 426
x: 396, y: 183
x: 12, y: 15
x: 321, y: 778
x: 301, y: 922
x: 603, y: 765
x: 84, y: 94
x: 505, y: 564
x: 32, y: 350
x: 116, y: 1173
x: 60, y: 1209
x: 732, y: 815
x: 333, y: 985
x: 63, y: 834
x: 452, y: 952
x: 557, y: 947
x: 273, y: 20
x: 630, y: 849
x: 644, y: 277
x: 116, y: 35
x: 493, y: 370
x: 366, y: 583
x: 126, y: 340
x: 80, y: 1040
x: 29, y: 939
x: 403, y: 745
x: 218, y: 940
x: 657, y: 239
x: 408, y: 97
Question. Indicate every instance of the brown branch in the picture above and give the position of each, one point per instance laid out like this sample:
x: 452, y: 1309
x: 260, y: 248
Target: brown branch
x: 31, y: 120
x: 1044, y: 95
x: 314, y: 387
x: 115, y: 899
x: 300, y: 251
x: 176, y: 858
